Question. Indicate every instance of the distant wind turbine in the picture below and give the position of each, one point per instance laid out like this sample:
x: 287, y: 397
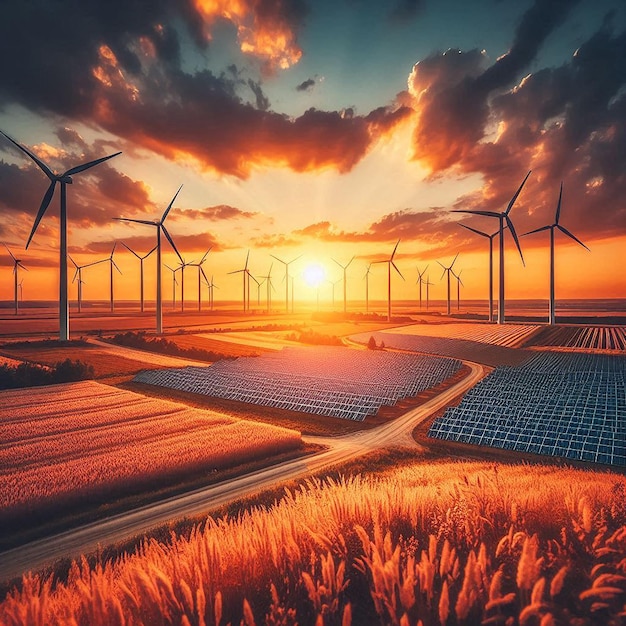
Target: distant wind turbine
x: 490, y: 237
x: 459, y: 282
x: 428, y: 284
x: 78, y: 274
x: 286, y: 264
x: 344, y: 268
x: 112, y: 264
x: 333, y: 283
x: 211, y: 285
x: 270, y: 287
x: 200, y: 274
x: 160, y: 226
x: 420, y: 280
x: 181, y: 267
x: 245, y: 272
x: 448, y: 270
x: 390, y: 262
x: 174, y: 283
x: 21, y: 290
x: 64, y: 180
x: 367, y: 287
x: 17, y: 264
x: 551, y: 227
x: 503, y: 217
x: 141, y: 260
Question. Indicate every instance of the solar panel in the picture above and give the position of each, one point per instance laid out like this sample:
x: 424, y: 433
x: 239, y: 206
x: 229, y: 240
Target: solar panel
x: 559, y: 404
x: 334, y: 381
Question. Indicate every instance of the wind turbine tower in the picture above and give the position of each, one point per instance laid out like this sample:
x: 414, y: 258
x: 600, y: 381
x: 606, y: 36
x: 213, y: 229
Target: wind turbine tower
x: 448, y: 270
x: 200, y: 275
x: 505, y: 220
x: 390, y: 262
x: 367, y: 288
x: 344, y: 268
x: 141, y: 260
x: 420, y: 280
x: 160, y: 226
x: 17, y: 264
x: 490, y: 237
x: 286, y: 264
x: 246, y: 283
x: 64, y: 180
x: 551, y: 228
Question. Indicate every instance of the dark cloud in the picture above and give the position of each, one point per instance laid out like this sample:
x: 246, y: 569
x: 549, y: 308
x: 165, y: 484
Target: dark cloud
x: 306, y: 85
x: 405, y: 9
x: 262, y: 101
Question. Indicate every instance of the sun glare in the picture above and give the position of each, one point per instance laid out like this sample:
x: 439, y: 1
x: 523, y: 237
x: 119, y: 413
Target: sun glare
x: 314, y: 274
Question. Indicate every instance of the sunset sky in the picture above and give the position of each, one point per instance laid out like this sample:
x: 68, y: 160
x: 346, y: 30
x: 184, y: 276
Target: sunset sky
x: 327, y: 129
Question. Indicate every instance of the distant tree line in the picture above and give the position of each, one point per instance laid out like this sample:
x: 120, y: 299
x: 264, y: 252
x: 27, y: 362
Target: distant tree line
x: 315, y: 338
x: 160, y: 345
x: 34, y: 375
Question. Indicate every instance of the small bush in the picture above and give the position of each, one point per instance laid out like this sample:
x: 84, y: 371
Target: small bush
x: 33, y: 375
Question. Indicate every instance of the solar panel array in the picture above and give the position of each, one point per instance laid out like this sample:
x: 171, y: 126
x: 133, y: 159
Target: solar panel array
x: 333, y: 381
x: 559, y: 404
x: 477, y: 351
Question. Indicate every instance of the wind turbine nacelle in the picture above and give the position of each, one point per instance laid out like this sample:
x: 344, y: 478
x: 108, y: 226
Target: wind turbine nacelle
x: 65, y: 179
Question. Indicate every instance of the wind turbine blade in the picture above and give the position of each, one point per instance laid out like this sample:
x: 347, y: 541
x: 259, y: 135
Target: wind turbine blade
x: 283, y: 262
x: 235, y: 271
x: 169, y: 238
x: 512, y: 229
x: 115, y: 266
x: 19, y: 264
x: 245, y: 267
x: 203, y: 274
x: 131, y: 250
x: 339, y: 264
x: 269, y: 273
x: 474, y: 230
x: 537, y: 230
x: 566, y: 232
x: 72, y: 260
x: 86, y: 166
x: 128, y: 219
x: 113, y: 251
x: 517, y: 193
x: 42, y: 209
x: 151, y: 251
x: 395, y: 267
x: 254, y: 279
x: 485, y: 213
x: 96, y: 263
x: 169, y: 206
x: 75, y: 275
x: 7, y: 247
x: 44, y: 168
x: 558, y: 206
x: 203, y: 259
x: 453, y: 262
x: 294, y: 260
x: 394, y: 250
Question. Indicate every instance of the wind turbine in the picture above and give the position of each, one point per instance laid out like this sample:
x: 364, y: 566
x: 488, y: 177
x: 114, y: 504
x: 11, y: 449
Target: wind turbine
x: 270, y: 287
x: 503, y: 217
x: 428, y: 284
x: 21, y: 290
x: 181, y: 267
x: 333, y: 283
x: 420, y: 280
x: 141, y: 260
x: 367, y: 287
x: 390, y: 262
x: 246, y: 283
x: 64, y: 180
x: 258, y: 288
x: 174, y: 283
x: 200, y: 274
x: 211, y: 286
x: 160, y: 226
x: 490, y: 237
x: 344, y: 268
x: 459, y: 282
x: 17, y: 264
x: 78, y: 274
x: 448, y: 270
x: 286, y: 264
x: 551, y: 227
x: 112, y: 264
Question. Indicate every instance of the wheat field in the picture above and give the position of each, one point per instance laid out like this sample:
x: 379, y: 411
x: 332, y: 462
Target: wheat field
x: 436, y: 543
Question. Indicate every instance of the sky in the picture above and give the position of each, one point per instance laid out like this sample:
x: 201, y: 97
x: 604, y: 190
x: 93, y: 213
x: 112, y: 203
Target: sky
x: 326, y: 129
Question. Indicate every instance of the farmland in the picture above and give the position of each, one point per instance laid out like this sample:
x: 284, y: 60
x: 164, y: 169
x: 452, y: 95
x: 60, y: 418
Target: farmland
x: 64, y: 444
x: 425, y: 543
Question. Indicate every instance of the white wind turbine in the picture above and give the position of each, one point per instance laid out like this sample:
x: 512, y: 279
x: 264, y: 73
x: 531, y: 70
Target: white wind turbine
x: 490, y: 237
x: 64, y: 180
x: 390, y: 262
x: 78, y: 275
x: 112, y: 264
x: 420, y: 280
x: 344, y: 268
x: 160, y: 226
x: 141, y: 260
x: 448, y: 270
x: 174, y: 283
x: 551, y: 228
x: 367, y: 288
x: 17, y: 265
x: 459, y: 282
x: 286, y: 264
x: 200, y: 275
x: 428, y: 284
x: 503, y: 217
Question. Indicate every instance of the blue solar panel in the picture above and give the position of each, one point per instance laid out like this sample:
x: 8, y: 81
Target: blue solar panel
x: 559, y: 404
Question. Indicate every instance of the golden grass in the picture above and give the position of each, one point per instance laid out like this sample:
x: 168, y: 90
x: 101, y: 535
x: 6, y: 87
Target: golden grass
x: 458, y: 543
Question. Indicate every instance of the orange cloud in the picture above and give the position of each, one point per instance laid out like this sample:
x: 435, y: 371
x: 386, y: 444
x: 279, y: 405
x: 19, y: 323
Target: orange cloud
x: 266, y: 29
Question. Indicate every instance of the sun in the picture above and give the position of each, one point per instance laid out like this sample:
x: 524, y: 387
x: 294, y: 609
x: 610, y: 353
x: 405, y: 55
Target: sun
x: 314, y: 274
